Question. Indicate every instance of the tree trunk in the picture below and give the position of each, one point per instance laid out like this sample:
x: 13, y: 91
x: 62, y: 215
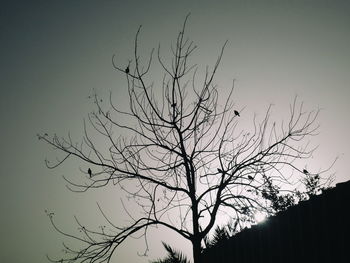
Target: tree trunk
x: 196, y: 239
x: 196, y: 245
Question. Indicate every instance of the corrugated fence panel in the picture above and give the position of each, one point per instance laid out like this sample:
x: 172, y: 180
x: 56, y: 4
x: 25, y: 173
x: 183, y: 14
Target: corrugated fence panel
x: 316, y: 230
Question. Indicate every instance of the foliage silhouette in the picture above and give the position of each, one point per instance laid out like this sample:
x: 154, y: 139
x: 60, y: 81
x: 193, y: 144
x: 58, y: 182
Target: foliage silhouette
x: 173, y: 256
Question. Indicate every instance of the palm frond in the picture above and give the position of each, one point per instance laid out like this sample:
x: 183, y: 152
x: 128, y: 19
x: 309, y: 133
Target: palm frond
x: 220, y: 234
x: 174, y: 256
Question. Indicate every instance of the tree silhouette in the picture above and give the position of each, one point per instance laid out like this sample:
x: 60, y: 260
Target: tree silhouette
x: 184, y: 157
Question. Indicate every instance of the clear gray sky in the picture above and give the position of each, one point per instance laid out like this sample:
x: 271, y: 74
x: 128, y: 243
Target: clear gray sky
x: 53, y: 54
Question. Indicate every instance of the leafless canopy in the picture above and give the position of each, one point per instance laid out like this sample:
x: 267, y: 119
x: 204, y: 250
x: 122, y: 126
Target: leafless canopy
x: 185, y: 159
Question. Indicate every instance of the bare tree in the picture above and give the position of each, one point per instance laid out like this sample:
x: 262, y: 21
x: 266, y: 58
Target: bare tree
x: 185, y: 159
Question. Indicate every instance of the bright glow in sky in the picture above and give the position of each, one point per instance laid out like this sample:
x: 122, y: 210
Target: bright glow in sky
x: 54, y: 53
x: 260, y: 217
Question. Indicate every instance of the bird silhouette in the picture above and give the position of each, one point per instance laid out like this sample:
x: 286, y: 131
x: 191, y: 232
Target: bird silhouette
x: 222, y: 172
x: 305, y: 171
x: 236, y: 113
x: 250, y: 177
x: 127, y: 70
x: 89, y: 172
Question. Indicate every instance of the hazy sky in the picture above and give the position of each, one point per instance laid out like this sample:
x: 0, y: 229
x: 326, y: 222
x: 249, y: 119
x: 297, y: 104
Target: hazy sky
x: 55, y: 53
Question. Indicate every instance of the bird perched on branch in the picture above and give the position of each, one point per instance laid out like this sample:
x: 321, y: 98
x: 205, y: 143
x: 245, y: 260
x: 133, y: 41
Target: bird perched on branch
x: 250, y: 177
x: 89, y: 172
x: 236, y: 113
x: 305, y: 171
x: 127, y: 70
x: 221, y: 171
